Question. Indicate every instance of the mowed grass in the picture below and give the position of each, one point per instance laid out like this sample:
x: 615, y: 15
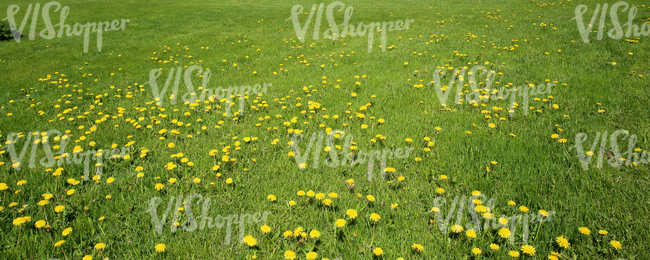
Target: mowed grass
x: 528, y: 42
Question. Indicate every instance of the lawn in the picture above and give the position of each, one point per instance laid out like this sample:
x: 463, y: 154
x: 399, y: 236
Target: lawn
x: 232, y: 130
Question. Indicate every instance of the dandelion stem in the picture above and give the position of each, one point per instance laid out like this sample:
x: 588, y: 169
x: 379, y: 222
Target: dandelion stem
x: 539, y: 226
x: 66, y: 257
x: 373, y: 233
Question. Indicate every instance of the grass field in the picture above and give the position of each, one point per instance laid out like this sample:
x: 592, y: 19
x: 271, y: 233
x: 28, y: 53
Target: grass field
x: 515, y: 164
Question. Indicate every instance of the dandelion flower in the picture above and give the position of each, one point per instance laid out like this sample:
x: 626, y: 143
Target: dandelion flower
x: 340, y: 223
x: 314, y: 234
x: 494, y: 247
x: 529, y: 250
x: 476, y: 251
x: 513, y: 254
x: 584, y: 231
x: 504, y: 233
x: 266, y: 229
x: 100, y: 246
x: 563, y: 242
x: 378, y: 251
x: 250, y: 241
x: 351, y: 213
x: 160, y: 248
x: 59, y: 243
x: 66, y: 231
x: 418, y: 247
x: 375, y: 217
x: 19, y: 221
x: 615, y: 244
x: 457, y: 228
x: 289, y: 255
x: 40, y: 224
x: 471, y: 233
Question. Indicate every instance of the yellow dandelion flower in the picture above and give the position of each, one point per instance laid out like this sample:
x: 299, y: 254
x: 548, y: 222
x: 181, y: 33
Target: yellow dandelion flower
x: 504, y: 233
x: 351, y: 213
x: 562, y: 242
x: 160, y: 248
x: 527, y: 249
x: 40, y: 223
x: 375, y: 217
x: 457, y: 228
x: 266, y: 229
x: 340, y: 223
x: 250, y: 241
x: 289, y: 255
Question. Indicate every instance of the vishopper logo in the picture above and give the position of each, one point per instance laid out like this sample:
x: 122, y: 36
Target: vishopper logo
x: 49, y: 33
x: 207, y: 94
x: 479, y: 207
x: 617, y: 32
x: 333, y: 31
x: 191, y: 224
x: 477, y: 93
x: 77, y: 157
x: 350, y: 153
x: 617, y: 159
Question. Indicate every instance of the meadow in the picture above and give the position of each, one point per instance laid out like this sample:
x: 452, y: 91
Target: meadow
x: 93, y: 167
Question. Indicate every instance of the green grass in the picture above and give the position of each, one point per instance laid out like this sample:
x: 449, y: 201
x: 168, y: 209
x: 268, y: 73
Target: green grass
x: 532, y: 168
